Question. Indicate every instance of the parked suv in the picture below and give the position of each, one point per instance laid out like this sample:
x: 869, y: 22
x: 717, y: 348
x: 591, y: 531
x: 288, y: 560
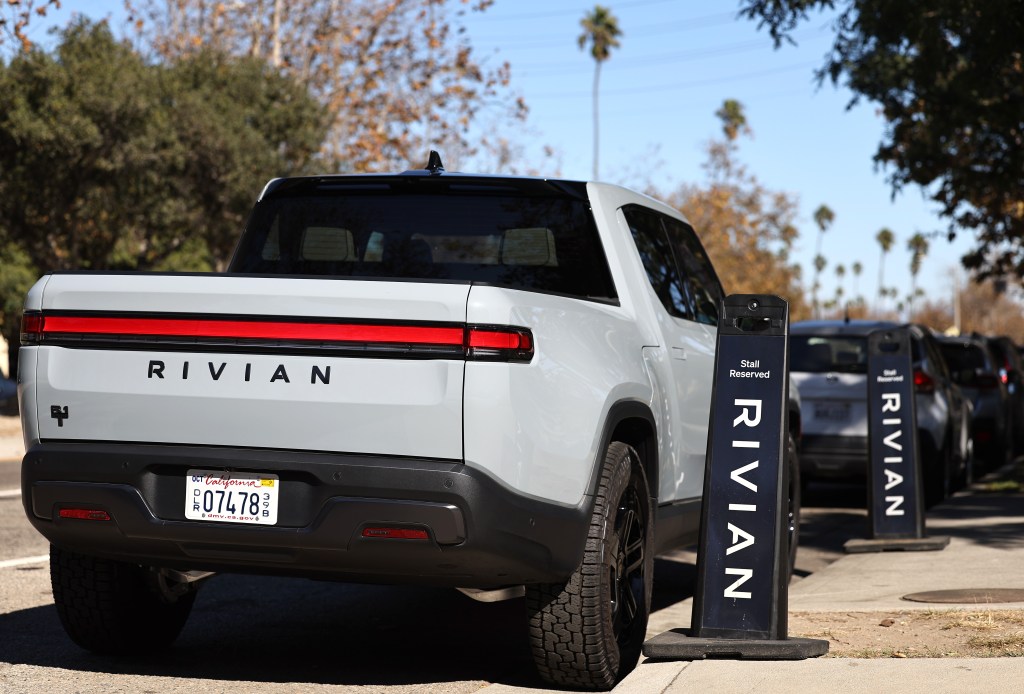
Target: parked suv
x: 1011, y: 371
x: 828, y: 362
x: 974, y: 369
x: 427, y: 377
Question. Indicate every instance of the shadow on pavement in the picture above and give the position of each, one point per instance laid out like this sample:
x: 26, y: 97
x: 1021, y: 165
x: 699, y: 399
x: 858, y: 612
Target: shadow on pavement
x: 292, y: 630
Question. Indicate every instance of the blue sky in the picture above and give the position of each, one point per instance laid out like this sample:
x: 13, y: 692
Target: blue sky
x: 679, y: 60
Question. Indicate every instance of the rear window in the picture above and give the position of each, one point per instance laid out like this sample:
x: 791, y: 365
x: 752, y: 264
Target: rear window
x: 964, y: 357
x: 529, y: 238
x: 846, y: 353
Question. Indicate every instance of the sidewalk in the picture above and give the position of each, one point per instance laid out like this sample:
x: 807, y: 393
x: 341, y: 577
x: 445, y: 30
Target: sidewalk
x: 986, y: 550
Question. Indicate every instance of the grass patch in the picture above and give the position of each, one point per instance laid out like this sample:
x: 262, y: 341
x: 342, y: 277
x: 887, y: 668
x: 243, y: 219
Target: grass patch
x: 1012, y: 482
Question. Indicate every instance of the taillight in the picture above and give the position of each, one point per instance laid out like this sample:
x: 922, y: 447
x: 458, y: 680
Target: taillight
x: 391, y: 533
x: 923, y: 383
x: 494, y: 343
x: 375, y: 338
x: 31, y: 328
x: 84, y: 514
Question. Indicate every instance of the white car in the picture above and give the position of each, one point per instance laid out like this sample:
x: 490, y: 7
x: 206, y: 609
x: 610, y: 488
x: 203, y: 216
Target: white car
x: 428, y: 377
x: 828, y: 362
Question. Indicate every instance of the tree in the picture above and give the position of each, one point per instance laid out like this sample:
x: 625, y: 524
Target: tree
x: 601, y: 31
x: 110, y: 162
x: 918, y: 247
x: 396, y: 78
x: 16, y: 277
x: 15, y: 16
x: 823, y: 217
x: 885, y: 239
x: 748, y: 231
x: 947, y: 78
x: 857, y: 268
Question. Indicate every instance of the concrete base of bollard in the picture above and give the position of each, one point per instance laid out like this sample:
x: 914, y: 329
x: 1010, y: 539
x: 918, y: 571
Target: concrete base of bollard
x: 677, y: 644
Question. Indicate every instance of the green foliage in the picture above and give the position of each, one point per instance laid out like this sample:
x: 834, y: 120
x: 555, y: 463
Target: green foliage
x: 734, y: 120
x: 110, y: 162
x: 601, y: 31
x: 949, y: 79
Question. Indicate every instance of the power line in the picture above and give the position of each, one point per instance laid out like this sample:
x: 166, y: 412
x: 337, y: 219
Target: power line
x: 660, y: 59
x: 678, y: 25
x: 677, y: 85
x: 563, y: 13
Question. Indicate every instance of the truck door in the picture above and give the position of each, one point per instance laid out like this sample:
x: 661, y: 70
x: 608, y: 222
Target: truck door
x: 688, y: 293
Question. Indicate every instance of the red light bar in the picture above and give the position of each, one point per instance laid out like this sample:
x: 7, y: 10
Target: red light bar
x: 445, y: 340
x: 242, y: 329
x: 386, y: 533
x: 499, y: 343
x: 84, y: 514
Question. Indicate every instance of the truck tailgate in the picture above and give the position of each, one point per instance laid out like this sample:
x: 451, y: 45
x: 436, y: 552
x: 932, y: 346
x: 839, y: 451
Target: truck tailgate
x: 368, y: 367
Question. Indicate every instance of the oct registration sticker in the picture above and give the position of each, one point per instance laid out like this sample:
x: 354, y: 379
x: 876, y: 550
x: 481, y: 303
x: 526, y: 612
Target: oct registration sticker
x: 231, y: 497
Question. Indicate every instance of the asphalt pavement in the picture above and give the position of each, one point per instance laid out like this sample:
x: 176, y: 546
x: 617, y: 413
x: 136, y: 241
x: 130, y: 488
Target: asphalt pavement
x: 985, y: 553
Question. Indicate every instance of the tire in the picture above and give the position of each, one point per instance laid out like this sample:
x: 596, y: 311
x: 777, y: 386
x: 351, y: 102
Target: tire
x: 935, y: 468
x: 793, y: 503
x: 115, y: 608
x: 587, y: 632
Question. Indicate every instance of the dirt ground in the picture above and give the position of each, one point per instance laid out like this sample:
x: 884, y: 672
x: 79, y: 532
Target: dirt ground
x: 915, y: 633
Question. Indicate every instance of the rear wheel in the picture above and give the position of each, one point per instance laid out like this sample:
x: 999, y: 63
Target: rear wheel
x: 935, y: 468
x: 587, y: 633
x: 114, y: 607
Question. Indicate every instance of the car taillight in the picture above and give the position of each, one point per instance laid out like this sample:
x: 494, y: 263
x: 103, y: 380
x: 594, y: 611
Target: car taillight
x: 84, y: 514
x: 498, y: 343
x: 399, y: 339
x: 31, y: 328
x: 923, y: 383
x: 392, y: 533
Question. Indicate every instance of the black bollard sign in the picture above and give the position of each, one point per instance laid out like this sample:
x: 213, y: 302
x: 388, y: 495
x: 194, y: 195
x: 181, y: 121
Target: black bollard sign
x: 739, y: 609
x: 895, y: 485
x: 742, y: 548
x: 895, y: 467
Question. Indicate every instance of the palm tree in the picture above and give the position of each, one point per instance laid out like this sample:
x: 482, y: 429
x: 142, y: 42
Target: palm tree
x: 885, y: 239
x: 918, y: 247
x: 734, y: 120
x: 840, y: 276
x: 857, y: 269
x: 823, y: 217
x: 601, y: 30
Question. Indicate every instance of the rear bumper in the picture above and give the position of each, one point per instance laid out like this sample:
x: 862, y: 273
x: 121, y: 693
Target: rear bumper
x: 481, y: 533
x: 834, y: 457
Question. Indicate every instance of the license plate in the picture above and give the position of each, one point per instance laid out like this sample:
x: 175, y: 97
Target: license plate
x: 231, y: 497
x: 832, y: 411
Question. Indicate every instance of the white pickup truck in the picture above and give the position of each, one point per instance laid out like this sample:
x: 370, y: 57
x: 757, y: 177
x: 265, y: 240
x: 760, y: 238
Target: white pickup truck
x: 445, y: 379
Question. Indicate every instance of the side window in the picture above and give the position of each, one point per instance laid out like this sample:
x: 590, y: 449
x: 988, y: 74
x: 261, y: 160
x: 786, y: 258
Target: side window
x: 703, y: 285
x: 656, y: 254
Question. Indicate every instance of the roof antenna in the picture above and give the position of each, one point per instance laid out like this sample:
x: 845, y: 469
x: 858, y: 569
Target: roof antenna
x: 846, y: 313
x: 434, y: 165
